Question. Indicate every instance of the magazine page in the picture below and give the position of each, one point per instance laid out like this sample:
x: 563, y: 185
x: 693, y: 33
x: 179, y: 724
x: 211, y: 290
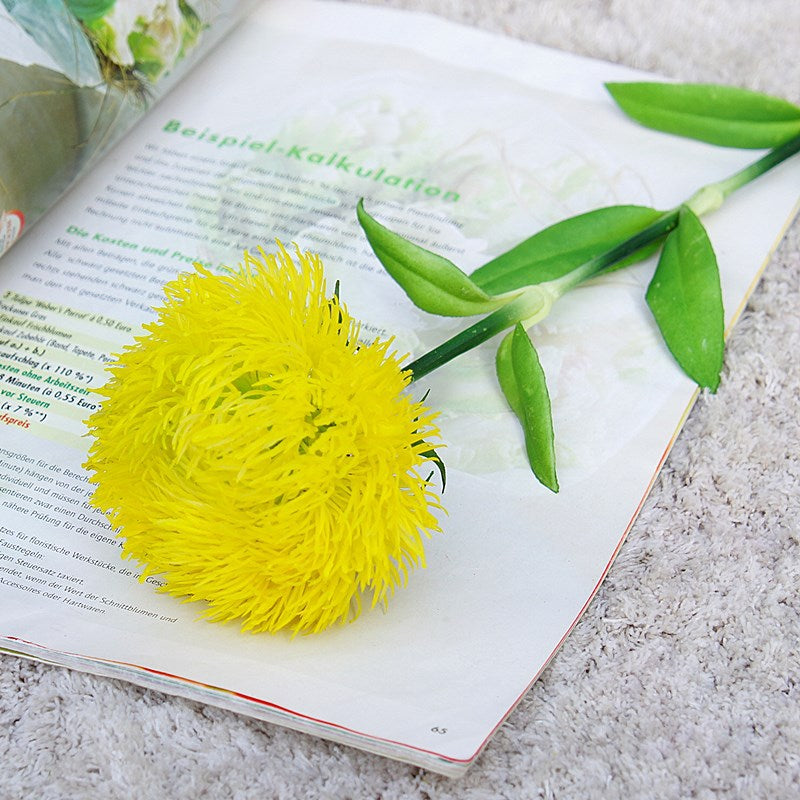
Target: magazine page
x: 74, y: 76
x: 466, y: 159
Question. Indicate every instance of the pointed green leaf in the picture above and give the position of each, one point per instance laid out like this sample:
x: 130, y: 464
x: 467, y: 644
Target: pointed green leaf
x: 522, y: 380
x: 433, y: 283
x: 686, y: 300
x: 723, y: 115
x: 437, y: 460
x: 563, y: 247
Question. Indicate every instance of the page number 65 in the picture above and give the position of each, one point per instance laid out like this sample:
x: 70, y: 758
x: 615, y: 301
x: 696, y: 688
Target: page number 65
x: 440, y: 731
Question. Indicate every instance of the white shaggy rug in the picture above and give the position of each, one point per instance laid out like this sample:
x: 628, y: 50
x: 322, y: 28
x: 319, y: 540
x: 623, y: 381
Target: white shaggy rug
x: 680, y: 681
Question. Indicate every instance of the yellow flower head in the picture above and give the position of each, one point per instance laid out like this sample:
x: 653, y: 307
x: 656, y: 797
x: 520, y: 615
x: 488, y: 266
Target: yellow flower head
x: 256, y: 454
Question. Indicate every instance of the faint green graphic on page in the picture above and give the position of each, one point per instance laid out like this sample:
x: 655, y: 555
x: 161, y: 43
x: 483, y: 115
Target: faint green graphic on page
x: 508, y: 171
x: 385, y: 135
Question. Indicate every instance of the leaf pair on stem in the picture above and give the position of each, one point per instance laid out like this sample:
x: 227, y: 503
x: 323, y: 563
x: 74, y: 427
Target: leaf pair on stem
x: 518, y: 288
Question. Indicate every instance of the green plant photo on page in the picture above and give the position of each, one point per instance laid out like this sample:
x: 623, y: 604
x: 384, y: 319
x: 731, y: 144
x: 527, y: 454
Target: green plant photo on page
x: 517, y: 289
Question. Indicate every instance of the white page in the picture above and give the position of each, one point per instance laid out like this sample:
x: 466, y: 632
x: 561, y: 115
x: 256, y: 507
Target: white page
x: 525, y: 138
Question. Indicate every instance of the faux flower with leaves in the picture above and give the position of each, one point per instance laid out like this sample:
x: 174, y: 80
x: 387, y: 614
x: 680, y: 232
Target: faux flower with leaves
x: 259, y: 456
x: 518, y: 288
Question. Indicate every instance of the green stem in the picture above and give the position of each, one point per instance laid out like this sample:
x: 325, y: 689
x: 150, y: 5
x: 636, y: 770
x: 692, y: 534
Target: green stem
x: 533, y: 305
x: 533, y: 301
x: 711, y: 197
x: 757, y: 168
x: 655, y: 230
x: 708, y: 198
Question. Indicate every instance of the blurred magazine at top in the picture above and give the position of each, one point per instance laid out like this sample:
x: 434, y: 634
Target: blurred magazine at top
x: 75, y: 75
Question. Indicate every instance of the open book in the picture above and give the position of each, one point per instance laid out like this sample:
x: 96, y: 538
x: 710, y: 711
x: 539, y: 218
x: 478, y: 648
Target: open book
x: 275, y: 133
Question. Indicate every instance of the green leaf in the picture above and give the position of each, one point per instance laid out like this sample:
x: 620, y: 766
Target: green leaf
x: 433, y: 283
x: 147, y: 54
x: 522, y: 380
x: 723, y: 115
x: 58, y: 32
x: 686, y: 300
x: 432, y: 454
x: 192, y: 27
x: 565, y: 246
x: 437, y: 460
x: 88, y: 10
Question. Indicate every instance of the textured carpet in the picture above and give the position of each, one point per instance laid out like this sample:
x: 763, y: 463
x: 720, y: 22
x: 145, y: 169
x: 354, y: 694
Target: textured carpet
x: 680, y: 681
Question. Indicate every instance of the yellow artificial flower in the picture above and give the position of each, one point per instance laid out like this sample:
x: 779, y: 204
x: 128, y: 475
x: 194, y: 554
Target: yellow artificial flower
x: 258, y: 456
